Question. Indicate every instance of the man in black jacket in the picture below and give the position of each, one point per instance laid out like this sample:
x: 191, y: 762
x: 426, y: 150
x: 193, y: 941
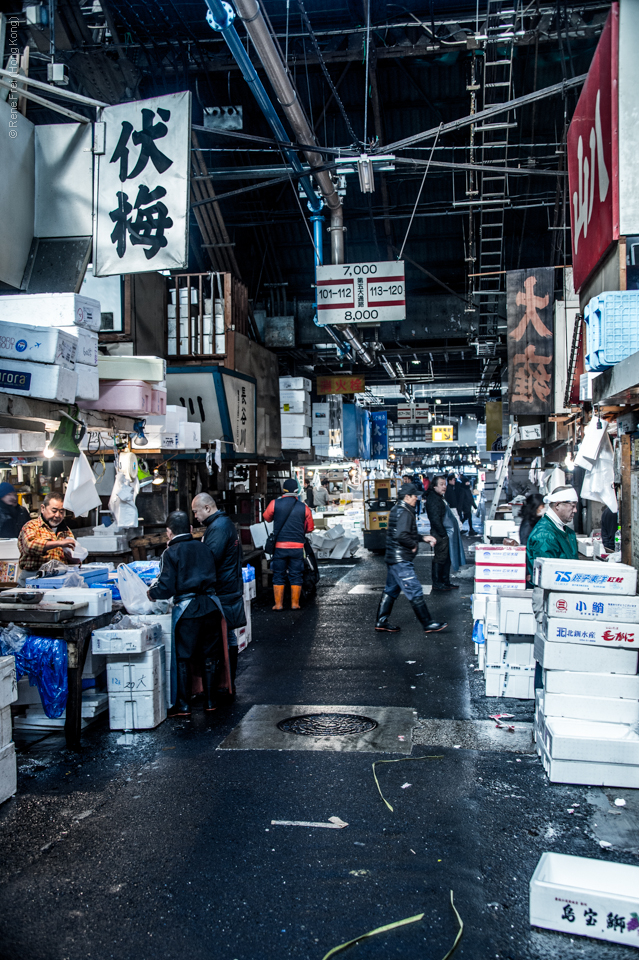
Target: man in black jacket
x: 466, y: 505
x: 187, y: 574
x: 12, y: 516
x: 402, y: 541
x: 223, y: 541
x: 436, y: 510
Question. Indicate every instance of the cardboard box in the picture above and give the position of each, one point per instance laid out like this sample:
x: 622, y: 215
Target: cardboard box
x: 86, y: 344
x: 585, y: 607
x: 612, y: 685
x: 21, y: 341
x: 149, y: 369
x: 299, y: 405
x: 41, y: 380
x: 606, y: 709
x: 8, y: 772
x: 595, y: 659
x: 295, y: 383
x: 88, y: 382
x: 51, y: 310
x: 596, y: 633
x: 585, y: 576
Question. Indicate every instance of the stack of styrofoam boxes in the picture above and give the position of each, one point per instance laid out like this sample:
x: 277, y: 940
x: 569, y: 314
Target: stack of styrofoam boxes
x: 497, y: 567
x: 69, y: 374
x: 320, y: 428
x: 212, y: 339
x: 587, y: 716
x: 136, y: 674
x: 8, y: 693
x: 505, y: 649
x: 295, y: 408
x: 171, y: 431
x: 245, y: 634
x: 130, y: 385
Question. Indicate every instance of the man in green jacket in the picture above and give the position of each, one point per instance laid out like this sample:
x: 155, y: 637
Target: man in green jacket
x: 551, y: 536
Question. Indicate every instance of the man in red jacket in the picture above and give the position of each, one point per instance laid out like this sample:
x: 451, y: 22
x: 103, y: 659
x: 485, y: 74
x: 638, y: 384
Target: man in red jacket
x: 291, y: 522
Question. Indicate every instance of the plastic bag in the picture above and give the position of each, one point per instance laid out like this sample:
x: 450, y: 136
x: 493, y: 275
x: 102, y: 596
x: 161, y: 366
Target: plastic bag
x: 53, y: 568
x: 44, y: 659
x: 133, y: 591
x: 81, y: 495
x: 598, y: 482
x: 74, y: 579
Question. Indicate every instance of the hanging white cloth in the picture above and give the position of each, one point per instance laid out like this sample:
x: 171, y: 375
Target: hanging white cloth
x: 81, y: 494
x: 125, y: 490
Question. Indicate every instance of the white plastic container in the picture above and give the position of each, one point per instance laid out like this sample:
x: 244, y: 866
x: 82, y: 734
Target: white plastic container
x: 9, y: 550
x: 613, y: 685
x: 595, y: 633
x: 149, y: 369
x: 51, y: 309
x: 516, y: 613
x: 501, y: 528
x: 587, y: 773
x: 42, y: 380
x: 295, y: 424
x: 590, y: 740
x: 138, y: 711
x: 5, y: 726
x: 104, y: 544
x: 568, y: 656
x: 108, y: 640
x: 190, y: 436
x: 510, y: 681
x: 606, y: 709
x: 8, y: 683
x: 296, y: 443
x: 86, y: 344
x: 88, y: 385
x: 585, y: 576
x: 576, y: 606
x: 8, y: 772
x: 21, y: 341
x: 295, y: 383
x: 99, y: 600
x: 577, y: 896
x: 136, y: 673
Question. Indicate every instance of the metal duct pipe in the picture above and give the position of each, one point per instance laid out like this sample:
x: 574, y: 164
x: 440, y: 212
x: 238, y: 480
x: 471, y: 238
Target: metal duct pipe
x: 251, y: 15
x: 363, y: 352
x: 388, y: 367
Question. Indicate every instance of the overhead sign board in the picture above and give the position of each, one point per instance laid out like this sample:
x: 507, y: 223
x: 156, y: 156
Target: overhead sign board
x: 412, y: 413
x: 143, y: 185
x: 361, y: 293
x: 444, y: 434
x: 346, y: 384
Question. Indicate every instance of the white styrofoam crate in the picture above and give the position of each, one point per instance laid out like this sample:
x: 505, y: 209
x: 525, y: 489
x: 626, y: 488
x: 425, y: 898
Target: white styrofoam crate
x: 585, y: 576
x: 570, y: 656
x: 104, y: 544
x: 500, y: 528
x: 27, y: 694
x: 585, y: 772
x: 51, y: 309
x: 244, y: 636
x: 8, y: 772
x: 9, y: 549
x: 99, y: 600
x: 586, y: 607
x: 5, y: 726
x: 479, y: 606
x: 249, y: 590
x: 516, y: 612
x: 495, y: 648
x: 592, y: 740
x: 296, y: 443
x: 136, y: 672
x: 493, y: 586
x: 295, y: 383
x: 510, y: 681
x: 295, y: 405
x: 606, y: 709
x: 86, y: 344
x: 613, y: 685
x: 22, y: 341
x: 578, y: 895
x: 596, y: 633
x: 502, y: 556
x: 94, y: 665
x: 149, y: 369
x: 8, y: 684
x: 108, y: 640
x: 88, y: 382
x: 46, y: 381
x: 138, y: 711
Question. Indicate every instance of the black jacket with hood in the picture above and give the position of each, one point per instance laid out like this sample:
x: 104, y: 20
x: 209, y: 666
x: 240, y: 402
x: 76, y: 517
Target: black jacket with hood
x: 401, y: 536
x: 223, y: 541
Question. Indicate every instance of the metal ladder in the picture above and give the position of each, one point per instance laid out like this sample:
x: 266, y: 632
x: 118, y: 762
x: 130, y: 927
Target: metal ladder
x: 499, y: 29
x: 503, y: 473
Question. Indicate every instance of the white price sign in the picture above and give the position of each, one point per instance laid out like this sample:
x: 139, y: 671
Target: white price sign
x: 361, y: 293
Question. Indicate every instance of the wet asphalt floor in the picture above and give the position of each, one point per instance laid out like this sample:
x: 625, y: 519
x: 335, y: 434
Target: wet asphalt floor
x: 165, y: 848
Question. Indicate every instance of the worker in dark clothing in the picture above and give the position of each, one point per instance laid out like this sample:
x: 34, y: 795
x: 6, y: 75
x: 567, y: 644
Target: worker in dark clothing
x: 466, y: 504
x: 436, y: 510
x: 402, y: 541
x: 292, y: 520
x: 310, y: 494
x: 451, y: 492
x: 187, y: 574
x: 223, y: 541
x: 12, y: 516
x: 609, y: 524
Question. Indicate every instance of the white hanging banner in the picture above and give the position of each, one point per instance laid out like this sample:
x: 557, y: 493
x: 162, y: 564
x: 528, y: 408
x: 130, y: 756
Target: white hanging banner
x: 142, y: 209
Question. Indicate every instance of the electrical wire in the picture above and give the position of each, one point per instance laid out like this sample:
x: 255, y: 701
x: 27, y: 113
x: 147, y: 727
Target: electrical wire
x: 421, y: 187
x: 368, y: 41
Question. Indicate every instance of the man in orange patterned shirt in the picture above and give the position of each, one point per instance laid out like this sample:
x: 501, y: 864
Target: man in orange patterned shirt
x: 46, y: 538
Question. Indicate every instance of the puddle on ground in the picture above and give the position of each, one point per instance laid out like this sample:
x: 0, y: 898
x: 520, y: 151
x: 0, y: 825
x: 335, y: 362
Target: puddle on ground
x: 475, y: 735
x: 617, y: 826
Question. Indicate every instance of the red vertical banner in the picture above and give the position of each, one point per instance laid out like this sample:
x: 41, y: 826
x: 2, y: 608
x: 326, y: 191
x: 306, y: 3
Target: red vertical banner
x: 530, y: 299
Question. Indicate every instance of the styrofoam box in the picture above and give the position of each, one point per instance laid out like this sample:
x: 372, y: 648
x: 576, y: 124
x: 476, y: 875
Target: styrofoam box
x: 5, y: 726
x: 567, y: 656
x: 8, y: 772
x: 479, y: 606
x: 584, y: 546
x: 244, y: 637
x: 149, y: 369
x: 510, y: 681
x: 21, y: 341
x: 585, y: 772
x: 86, y: 344
x: 158, y: 439
x: 190, y: 436
x: 585, y: 576
x: 158, y: 401
x: 596, y: 633
x: 516, y: 612
x: 575, y: 606
x: 298, y: 405
x: 487, y: 554
x: 294, y: 396
x: 8, y: 684
x: 296, y: 443
x: 139, y: 711
x: 104, y: 544
x: 51, y: 309
x: 95, y: 663
x: 501, y: 574
x: 28, y: 694
x: 136, y: 672
x: 9, y: 549
x: 607, y: 709
x: 500, y: 528
x: 107, y: 640
x: 100, y: 601
x: 249, y: 590
x: 495, y: 648
x: 295, y: 383
x: 592, y: 889
x: 591, y: 740
x: 46, y: 381
x: 492, y: 586
x: 121, y: 396
x: 295, y: 424
x: 575, y: 683
x: 88, y: 386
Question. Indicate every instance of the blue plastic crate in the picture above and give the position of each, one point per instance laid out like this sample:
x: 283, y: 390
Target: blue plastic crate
x: 613, y: 328
x: 54, y: 583
x: 111, y: 585
x: 147, y: 570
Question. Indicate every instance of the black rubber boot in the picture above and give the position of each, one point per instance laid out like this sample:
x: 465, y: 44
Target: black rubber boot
x: 233, y: 655
x: 383, y: 613
x: 436, y: 577
x: 423, y: 615
x: 209, y: 682
x: 182, y: 706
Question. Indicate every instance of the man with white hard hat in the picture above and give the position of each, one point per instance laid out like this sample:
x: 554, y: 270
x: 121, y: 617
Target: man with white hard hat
x: 552, y: 537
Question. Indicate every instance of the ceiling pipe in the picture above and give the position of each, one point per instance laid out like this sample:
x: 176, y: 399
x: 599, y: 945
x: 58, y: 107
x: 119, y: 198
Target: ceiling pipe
x: 269, y: 54
x: 350, y: 335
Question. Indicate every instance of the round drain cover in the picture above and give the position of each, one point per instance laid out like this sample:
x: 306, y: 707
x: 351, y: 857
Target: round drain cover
x: 327, y: 724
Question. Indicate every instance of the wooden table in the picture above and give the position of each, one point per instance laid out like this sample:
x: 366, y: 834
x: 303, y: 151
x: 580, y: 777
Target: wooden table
x: 76, y: 633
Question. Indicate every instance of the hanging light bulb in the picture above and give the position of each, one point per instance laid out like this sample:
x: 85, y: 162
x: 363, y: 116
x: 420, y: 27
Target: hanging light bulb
x: 157, y: 478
